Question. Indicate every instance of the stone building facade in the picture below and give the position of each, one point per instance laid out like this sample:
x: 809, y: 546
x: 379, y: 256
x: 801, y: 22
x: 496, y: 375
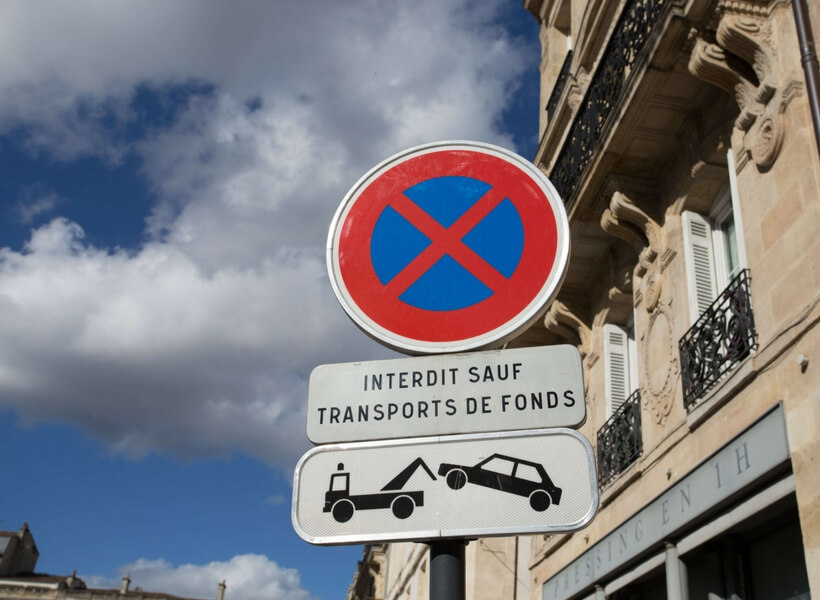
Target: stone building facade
x: 496, y: 568
x: 679, y: 135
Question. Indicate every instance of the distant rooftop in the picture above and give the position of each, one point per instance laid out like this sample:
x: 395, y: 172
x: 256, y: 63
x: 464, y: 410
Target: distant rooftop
x: 19, y: 581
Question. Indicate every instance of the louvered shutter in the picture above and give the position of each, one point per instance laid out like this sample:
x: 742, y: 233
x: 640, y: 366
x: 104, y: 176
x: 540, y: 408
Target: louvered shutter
x: 700, y: 263
x: 616, y: 359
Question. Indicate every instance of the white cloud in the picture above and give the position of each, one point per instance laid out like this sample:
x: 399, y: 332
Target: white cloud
x: 247, y: 577
x: 201, y: 340
x: 151, y: 352
x: 276, y: 500
x: 35, y: 199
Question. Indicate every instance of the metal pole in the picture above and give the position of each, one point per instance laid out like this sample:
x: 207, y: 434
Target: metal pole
x: 447, y: 570
x: 808, y: 57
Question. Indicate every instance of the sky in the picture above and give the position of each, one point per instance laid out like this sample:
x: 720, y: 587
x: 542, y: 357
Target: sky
x: 168, y: 174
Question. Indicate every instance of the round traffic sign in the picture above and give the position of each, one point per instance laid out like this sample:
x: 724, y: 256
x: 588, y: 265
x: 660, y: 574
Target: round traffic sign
x: 448, y: 247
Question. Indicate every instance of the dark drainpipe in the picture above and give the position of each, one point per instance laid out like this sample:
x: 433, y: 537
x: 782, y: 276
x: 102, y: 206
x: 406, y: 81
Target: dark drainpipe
x: 808, y: 57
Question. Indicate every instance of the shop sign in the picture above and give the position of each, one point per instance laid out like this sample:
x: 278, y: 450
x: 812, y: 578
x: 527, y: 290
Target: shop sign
x: 750, y: 456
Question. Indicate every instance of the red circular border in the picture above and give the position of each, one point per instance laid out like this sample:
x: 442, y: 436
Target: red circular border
x: 537, y: 259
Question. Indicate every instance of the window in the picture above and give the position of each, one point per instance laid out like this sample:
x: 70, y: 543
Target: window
x: 339, y: 482
x: 724, y: 241
x: 713, y: 248
x: 499, y: 465
x: 528, y: 472
x: 621, y: 364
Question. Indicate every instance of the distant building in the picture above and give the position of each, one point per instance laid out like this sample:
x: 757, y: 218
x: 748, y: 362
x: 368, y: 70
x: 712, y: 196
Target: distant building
x: 496, y: 568
x: 679, y: 135
x: 368, y: 580
x: 18, y: 552
x: 19, y: 581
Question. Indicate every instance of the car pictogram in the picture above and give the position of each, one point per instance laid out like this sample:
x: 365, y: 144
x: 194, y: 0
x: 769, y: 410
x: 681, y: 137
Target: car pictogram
x: 506, y: 474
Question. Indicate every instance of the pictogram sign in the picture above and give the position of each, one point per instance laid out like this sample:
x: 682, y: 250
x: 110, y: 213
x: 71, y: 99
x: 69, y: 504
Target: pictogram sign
x: 477, y: 485
x: 448, y: 247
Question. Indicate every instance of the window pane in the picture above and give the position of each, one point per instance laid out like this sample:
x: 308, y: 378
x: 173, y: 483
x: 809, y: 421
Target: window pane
x: 777, y: 565
x: 499, y: 465
x: 727, y: 227
x: 528, y: 472
x: 339, y: 482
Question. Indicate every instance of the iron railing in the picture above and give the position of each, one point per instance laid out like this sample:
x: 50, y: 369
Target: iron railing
x: 619, y: 440
x: 558, y: 88
x: 721, y: 337
x: 625, y: 47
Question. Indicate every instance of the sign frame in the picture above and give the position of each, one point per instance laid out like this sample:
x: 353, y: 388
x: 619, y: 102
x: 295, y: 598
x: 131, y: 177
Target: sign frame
x: 512, y: 325
x: 435, y: 534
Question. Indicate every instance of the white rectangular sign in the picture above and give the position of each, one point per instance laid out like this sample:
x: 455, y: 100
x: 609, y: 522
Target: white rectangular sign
x: 500, y: 390
x: 477, y: 485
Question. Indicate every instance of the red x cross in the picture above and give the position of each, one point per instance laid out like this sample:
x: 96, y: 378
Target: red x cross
x: 446, y: 240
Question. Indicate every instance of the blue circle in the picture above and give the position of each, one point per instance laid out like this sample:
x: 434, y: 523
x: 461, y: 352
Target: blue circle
x: 498, y: 239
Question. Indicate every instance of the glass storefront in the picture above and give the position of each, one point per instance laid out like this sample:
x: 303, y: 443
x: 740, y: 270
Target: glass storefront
x: 760, y: 558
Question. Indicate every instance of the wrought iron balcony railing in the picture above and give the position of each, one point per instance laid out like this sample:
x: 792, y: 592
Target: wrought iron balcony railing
x: 721, y: 337
x: 558, y: 88
x: 619, y: 440
x: 624, y: 49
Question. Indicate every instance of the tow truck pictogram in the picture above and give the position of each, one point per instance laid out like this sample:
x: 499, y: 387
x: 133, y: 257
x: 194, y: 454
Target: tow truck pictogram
x: 341, y: 504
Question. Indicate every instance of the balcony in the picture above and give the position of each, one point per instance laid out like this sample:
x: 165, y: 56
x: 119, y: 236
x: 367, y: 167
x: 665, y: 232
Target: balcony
x: 720, y: 339
x: 624, y: 50
x: 619, y: 440
x: 558, y: 89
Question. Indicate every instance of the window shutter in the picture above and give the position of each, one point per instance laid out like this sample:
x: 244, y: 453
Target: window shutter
x: 700, y: 263
x: 616, y: 359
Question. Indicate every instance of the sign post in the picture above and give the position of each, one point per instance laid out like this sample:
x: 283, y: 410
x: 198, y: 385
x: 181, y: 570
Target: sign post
x: 447, y: 570
x: 445, y: 249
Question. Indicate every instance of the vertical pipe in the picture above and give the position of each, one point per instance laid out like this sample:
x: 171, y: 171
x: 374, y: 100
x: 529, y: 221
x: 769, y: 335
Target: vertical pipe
x: 676, y: 586
x: 808, y: 56
x: 447, y: 570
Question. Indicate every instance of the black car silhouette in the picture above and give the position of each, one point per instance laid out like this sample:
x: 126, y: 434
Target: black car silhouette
x: 506, y: 474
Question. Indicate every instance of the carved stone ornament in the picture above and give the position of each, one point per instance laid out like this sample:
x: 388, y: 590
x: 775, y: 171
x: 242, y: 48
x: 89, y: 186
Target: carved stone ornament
x: 577, y: 88
x: 625, y: 220
x: 562, y: 321
x: 661, y: 363
x: 620, y: 294
x: 651, y: 289
x: 742, y: 61
x: 767, y: 140
x: 565, y: 323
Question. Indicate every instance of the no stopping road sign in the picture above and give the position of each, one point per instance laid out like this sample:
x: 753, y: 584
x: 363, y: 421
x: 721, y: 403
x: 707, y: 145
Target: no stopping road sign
x: 448, y: 247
